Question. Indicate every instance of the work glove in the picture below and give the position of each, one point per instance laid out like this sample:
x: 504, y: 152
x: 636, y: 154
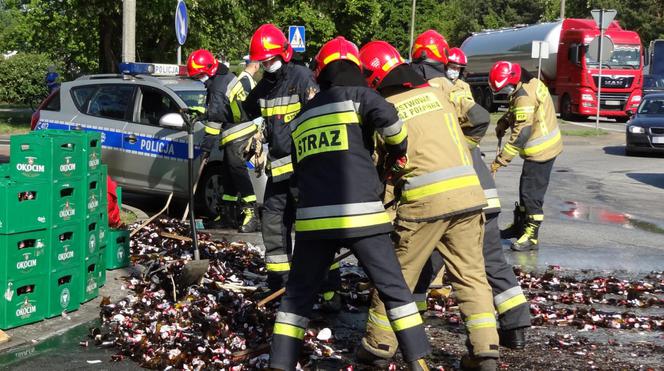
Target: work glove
x: 495, y: 165
x: 208, y: 143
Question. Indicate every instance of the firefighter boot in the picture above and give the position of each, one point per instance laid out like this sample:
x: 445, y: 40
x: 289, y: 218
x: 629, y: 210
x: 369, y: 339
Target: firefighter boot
x: 331, y: 302
x: 418, y: 365
x: 470, y: 363
x: 226, y: 215
x: 528, y: 241
x: 365, y: 357
x: 513, y: 338
x: 250, y: 222
x: 516, y: 228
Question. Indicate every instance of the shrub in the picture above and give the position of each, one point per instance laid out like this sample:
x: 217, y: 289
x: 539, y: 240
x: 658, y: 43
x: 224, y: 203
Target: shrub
x: 22, y: 78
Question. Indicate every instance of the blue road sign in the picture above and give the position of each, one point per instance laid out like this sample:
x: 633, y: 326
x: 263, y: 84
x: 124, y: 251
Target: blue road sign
x: 181, y: 22
x: 296, y: 38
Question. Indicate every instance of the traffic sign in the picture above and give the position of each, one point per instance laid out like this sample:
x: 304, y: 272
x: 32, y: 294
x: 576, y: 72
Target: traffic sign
x: 181, y: 22
x: 539, y: 49
x: 603, y: 17
x: 607, y: 48
x: 296, y: 37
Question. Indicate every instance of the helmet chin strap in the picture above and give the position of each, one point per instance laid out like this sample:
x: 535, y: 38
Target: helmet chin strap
x: 203, y: 78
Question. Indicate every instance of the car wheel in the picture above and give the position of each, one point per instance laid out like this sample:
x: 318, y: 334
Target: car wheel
x: 566, y: 109
x: 209, y: 191
x: 478, y: 96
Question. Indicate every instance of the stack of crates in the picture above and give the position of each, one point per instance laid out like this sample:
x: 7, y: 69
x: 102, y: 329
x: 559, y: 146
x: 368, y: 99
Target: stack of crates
x: 51, y: 216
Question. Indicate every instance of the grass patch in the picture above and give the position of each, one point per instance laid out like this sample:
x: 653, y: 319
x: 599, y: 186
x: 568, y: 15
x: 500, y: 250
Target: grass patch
x: 127, y: 216
x: 583, y: 132
x: 14, y: 120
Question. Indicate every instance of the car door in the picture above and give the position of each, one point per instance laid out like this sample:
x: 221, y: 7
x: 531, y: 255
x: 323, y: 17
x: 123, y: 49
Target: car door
x: 106, y: 108
x: 163, y: 151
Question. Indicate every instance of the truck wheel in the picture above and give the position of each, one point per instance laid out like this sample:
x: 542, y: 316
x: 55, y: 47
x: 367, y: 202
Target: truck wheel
x: 209, y: 191
x: 478, y: 96
x: 488, y: 101
x: 566, y: 112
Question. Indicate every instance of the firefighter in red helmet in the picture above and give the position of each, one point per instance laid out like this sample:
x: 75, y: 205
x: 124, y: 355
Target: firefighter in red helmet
x: 534, y: 136
x: 509, y: 300
x: 339, y: 202
x: 225, y: 118
x: 439, y: 205
x: 278, y: 98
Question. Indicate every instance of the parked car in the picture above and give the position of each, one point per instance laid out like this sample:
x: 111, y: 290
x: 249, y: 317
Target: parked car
x: 141, y: 156
x: 653, y: 84
x: 645, y: 129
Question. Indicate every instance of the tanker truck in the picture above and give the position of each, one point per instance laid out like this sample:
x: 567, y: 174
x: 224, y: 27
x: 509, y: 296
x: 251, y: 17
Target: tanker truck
x: 570, y: 72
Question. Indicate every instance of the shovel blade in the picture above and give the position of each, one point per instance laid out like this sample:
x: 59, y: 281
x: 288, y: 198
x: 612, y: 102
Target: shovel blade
x: 193, y: 272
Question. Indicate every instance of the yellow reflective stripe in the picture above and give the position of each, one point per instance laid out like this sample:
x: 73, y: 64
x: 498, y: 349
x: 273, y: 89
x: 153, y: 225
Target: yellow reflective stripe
x: 337, y: 55
x: 342, y: 222
x: 235, y: 110
x: 536, y: 217
x: 480, y: 320
x: 212, y: 131
x: 390, y: 63
x: 292, y: 108
x: 398, y: 138
x: 380, y: 320
x: 334, y: 266
x: 524, y: 109
x: 328, y: 295
x: 277, y: 267
x: 492, y: 203
x: 472, y: 143
x: 239, y: 134
x: 542, y: 146
x: 439, y: 187
x: 455, y: 130
x: 325, y: 120
x: 288, y: 330
x: 511, y: 149
x: 421, y: 305
x: 511, y: 303
x: 236, y: 90
x: 228, y: 198
x: 281, y: 170
x: 407, y: 322
x: 250, y: 198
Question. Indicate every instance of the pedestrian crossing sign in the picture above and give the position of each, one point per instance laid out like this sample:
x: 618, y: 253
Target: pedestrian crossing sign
x: 296, y: 38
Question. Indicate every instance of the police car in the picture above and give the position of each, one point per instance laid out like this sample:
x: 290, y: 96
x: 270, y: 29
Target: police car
x: 141, y: 155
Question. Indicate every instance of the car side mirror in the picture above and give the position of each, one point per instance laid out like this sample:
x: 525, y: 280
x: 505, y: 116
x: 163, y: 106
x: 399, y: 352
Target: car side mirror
x: 172, y: 121
x: 629, y: 113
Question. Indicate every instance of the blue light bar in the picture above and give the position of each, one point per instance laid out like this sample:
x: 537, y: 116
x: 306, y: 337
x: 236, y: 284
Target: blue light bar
x: 137, y: 68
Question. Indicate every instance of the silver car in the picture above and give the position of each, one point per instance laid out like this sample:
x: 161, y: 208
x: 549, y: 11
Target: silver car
x: 141, y: 156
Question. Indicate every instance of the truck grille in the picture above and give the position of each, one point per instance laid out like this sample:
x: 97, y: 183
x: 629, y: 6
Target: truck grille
x: 613, y: 101
x: 616, y: 82
x: 658, y: 131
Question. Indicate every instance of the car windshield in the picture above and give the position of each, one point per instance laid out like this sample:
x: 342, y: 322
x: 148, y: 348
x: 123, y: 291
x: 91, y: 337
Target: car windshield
x: 652, y: 106
x: 193, y: 98
x: 653, y: 82
x: 623, y: 56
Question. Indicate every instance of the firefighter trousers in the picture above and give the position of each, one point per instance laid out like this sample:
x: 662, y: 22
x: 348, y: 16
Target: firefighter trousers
x: 277, y: 221
x: 235, y: 176
x: 532, y: 187
x: 310, y: 262
x: 459, y: 239
x: 508, y: 298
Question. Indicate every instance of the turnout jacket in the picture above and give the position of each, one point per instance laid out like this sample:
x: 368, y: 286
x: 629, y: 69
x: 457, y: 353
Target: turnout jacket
x: 224, y: 108
x: 279, y: 97
x: 474, y: 121
x: 439, y: 179
x: 339, y: 187
x: 535, y: 135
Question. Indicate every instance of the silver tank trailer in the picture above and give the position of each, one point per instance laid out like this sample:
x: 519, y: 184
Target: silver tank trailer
x: 483, y: 49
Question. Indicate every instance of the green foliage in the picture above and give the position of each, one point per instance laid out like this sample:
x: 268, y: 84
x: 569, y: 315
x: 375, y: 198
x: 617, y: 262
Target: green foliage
x: 22, y: 78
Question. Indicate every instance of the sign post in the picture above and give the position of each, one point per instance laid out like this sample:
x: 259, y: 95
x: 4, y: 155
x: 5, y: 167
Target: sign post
x: 603, y: 18
x: 540, y: 50
x: 296, y: 38
x: 181, y: 26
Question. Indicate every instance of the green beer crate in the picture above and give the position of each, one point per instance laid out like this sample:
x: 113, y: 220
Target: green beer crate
x: 103, y: 174
x: 52, y: 158
x: 117, y: 249
x: 24, y: 301
x: 64, y: 291
x: 90, y: 281
x: 90, y: 231
x: 24, y: 254
x: 22, y: 205
x: 67, y: 242
x: 69, y: 201
x: 94, y: 199
x: 4, y: 171
x: 103, y: 228
x: 88, y: 141
x: 101, y: 279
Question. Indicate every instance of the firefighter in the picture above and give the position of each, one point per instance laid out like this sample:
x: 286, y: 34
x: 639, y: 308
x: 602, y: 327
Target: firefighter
x: 225, y: 116
x: 278, y: 98
x: 534, y: 136
x: 442, y: 66
x: 439, y: 206
x: 339, y: 202
x: 247, y: 76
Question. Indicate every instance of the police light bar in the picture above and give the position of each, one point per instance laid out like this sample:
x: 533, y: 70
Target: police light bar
x: 154, y: 69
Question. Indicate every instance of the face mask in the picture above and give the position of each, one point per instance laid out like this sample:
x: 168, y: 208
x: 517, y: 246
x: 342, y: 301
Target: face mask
x: 203, y: 78
x: 274, y: 67
x: 452, y: 74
